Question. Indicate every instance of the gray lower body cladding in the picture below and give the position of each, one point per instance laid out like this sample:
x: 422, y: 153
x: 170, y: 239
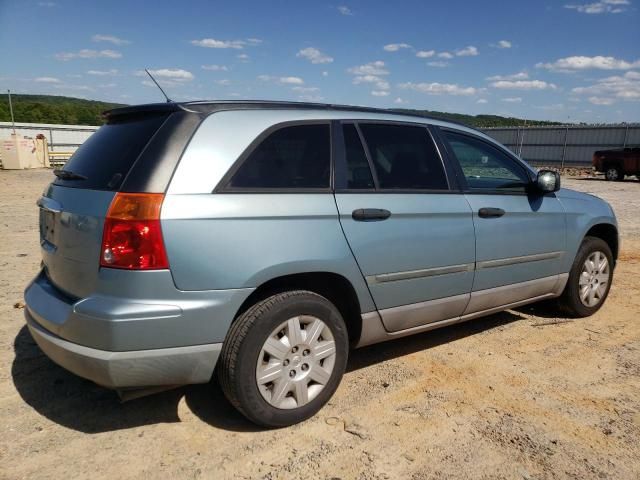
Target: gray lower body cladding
x: 141, y: 368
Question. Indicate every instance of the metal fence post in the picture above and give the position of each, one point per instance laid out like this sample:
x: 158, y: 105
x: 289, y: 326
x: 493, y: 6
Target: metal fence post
x: 564, y: 148
x: 626, y: 135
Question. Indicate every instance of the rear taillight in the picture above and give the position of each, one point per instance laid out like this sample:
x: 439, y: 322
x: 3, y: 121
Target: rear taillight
x: 132, y: 237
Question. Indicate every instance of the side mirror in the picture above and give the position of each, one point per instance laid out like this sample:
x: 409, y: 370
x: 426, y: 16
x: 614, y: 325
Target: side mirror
x: 548, y: 181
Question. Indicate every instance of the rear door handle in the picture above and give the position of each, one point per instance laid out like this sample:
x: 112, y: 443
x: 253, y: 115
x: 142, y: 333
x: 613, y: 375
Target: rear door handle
x: 370, y: 214
x: 490, y: 212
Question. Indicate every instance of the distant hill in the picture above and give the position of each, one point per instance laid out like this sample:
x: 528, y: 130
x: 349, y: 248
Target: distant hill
x: 53, y: 109
x: 76, y: 111
x: 478, y: 121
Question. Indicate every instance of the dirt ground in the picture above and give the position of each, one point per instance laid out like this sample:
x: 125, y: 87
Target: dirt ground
x: 515, y: 395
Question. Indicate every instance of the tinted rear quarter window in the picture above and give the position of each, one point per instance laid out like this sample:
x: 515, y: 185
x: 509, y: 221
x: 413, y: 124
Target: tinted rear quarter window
x: 404, y: 157
x: 290, y: 158
x: 106, y: 157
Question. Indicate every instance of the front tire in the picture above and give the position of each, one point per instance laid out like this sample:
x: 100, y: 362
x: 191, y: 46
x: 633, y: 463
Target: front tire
x: 284, y: 358
x: 589, y: 279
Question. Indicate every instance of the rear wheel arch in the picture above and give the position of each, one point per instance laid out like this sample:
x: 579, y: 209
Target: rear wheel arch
x: 608, y: 233
x: 332, y: 286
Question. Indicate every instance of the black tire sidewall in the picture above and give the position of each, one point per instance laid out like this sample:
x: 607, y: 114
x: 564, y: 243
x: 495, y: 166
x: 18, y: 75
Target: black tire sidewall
x: 572, y: 291
x: 253, y: 405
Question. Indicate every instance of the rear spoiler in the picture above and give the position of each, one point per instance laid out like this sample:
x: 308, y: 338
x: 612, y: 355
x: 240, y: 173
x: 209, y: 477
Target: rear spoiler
x: 141, y: 110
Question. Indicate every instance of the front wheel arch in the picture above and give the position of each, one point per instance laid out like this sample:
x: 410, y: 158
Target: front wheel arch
x: 608, y: 233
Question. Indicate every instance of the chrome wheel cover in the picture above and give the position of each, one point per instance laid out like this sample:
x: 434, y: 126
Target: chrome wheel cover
x: 612, y: 174
x: 594, y: 279
x: 296, y: 362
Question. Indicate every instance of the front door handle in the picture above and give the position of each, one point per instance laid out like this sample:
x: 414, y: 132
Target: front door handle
x: 490, y: 212
x: 370, y: 214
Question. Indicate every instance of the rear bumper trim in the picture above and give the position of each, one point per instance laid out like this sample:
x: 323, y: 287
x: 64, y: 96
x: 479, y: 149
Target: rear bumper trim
x: 140, y: 368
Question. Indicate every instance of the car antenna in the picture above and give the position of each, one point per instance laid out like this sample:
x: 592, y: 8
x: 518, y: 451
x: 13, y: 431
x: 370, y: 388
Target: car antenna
x: 158, y: 85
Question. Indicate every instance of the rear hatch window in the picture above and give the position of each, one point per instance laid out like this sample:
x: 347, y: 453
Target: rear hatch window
x: 103, y: 161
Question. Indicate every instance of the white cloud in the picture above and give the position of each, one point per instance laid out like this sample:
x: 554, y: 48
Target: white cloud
x: 514, y: 76
x: 224, y: 82
x: 110, y: 39
x: 400, y: 101
x: 554, y: 107
x: 482, y: 100
x: 394, y: 47
x: 88, y: 53
x: 512, y: 99
x: 175, y: 74
x: 618, y: 87
x: 281, y: 80
x: 102, y: 73
x: 47, y: 80
x: 523, y: 85
x: 603, y: 6
x: 305, y: 89
x: 503, y: 44
x: 446, y: 55
x: 439, y: 88
x: 379, y: 82
x: 379, y: 93
x: 425, y: 53
x: 344, y: 10
x: 243, y: 57
x: 469, y: 51
x: 47, y: 4
x: 314, y: 55
x: 570, y: 64
x: 167, y: 76
x: 235, y: 44
x: 371, y: 68
x: 325, y: 74
x: 310, y: 98
x: 108, y: 85
x: 438, y: 64
x: 215, y: 68
x: 292, y: 80
x: 601, y: 100
x: 74, y: 88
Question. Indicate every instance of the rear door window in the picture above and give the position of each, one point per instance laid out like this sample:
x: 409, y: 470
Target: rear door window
x: 404, y: 157
x: 106, y: 157
x: 295, y: 157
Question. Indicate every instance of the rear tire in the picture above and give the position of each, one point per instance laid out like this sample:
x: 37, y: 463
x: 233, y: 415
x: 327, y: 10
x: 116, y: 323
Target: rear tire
x: 613, y: 173
x: 284, y: 358
x: 589, y: 279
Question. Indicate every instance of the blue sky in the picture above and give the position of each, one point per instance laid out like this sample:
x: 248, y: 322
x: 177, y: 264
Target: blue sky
x: 575, y: 60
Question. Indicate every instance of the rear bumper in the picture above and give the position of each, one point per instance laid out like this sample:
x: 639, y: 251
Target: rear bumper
x: 141, y: 368
x: 134, y: 311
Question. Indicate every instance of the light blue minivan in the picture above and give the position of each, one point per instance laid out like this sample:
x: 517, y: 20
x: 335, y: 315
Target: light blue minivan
x: 262, y: 240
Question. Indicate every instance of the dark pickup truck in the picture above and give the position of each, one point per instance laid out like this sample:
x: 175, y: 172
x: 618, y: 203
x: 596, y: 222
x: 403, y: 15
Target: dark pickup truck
x: 617, y: 163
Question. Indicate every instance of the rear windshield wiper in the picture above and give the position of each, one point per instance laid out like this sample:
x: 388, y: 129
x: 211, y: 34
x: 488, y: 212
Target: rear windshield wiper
x: 67, y: 175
